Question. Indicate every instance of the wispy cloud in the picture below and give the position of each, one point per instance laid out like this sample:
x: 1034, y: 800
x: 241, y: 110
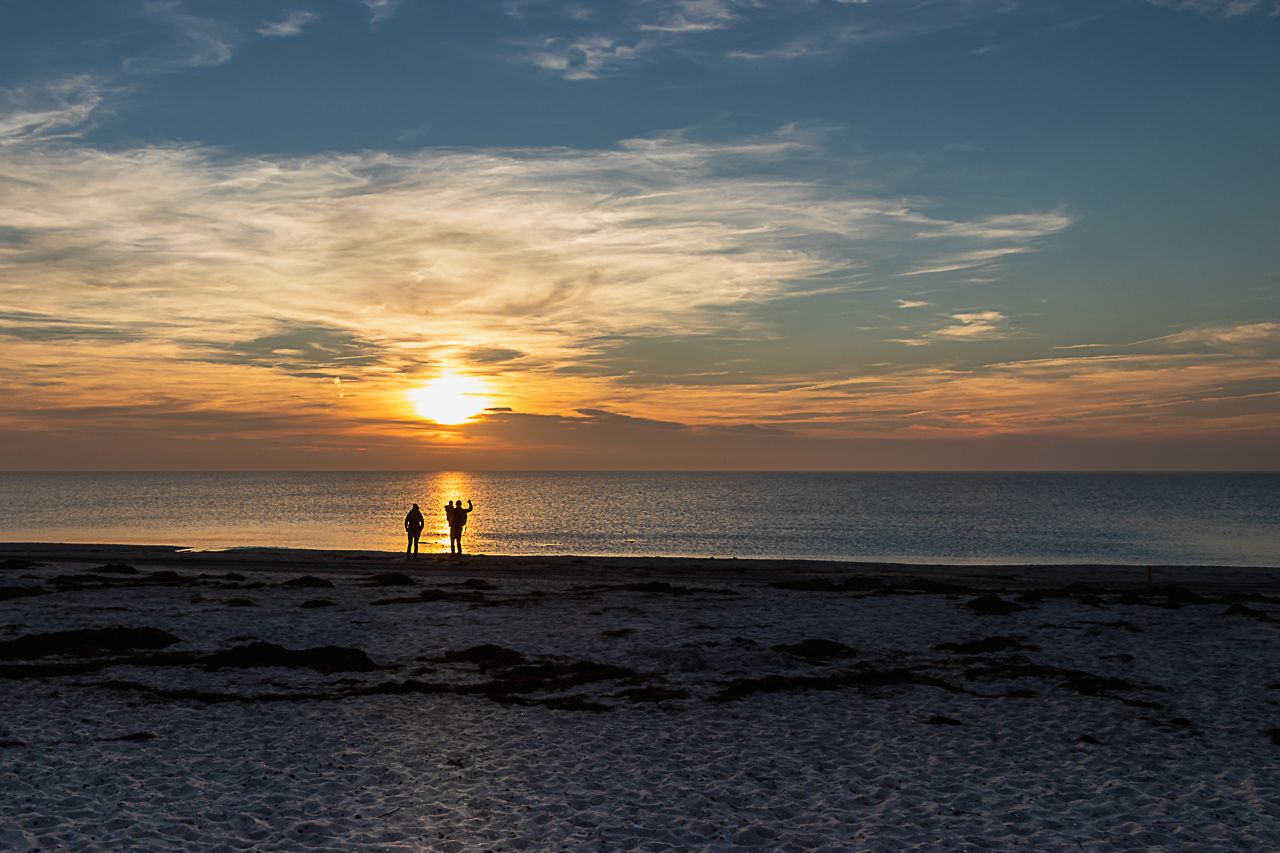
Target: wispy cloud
x: 65, y: 107
x: 1252, y: 339
x: 684, y: 16
x: 198, y: 41
x: 582, y: 58
x: 380, y: 10
x: 561, y: 37
x: 1097, y: 395
x: 290, y: 25
x: 974, y: 326
x: 1221, y: 8
x: 382, y: 269
x: 583, y: 47
x: 966, y: 326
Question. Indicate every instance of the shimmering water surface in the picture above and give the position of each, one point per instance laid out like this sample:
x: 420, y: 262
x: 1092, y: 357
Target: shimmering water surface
x: 1170, y: 519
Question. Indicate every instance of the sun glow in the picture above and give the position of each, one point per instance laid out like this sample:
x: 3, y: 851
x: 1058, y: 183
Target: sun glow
x: 450, y: 399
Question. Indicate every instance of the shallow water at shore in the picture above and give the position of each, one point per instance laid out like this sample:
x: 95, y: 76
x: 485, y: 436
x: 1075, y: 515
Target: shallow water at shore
x: 1135, y: 519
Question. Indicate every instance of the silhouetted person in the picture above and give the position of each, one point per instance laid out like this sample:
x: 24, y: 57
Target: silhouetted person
x: 413, y: 524
x: 457, y: 518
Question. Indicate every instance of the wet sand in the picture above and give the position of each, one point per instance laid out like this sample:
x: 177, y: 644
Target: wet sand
x: 295, y: 700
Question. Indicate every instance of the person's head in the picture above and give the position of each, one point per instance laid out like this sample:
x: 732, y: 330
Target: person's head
x: 415, y: 506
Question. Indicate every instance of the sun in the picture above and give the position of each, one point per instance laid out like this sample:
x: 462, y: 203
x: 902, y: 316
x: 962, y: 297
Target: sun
x: 450, y: 400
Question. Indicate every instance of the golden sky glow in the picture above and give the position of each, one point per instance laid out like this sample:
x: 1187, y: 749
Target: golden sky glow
x: 551, y: 267
x: 230, y: 295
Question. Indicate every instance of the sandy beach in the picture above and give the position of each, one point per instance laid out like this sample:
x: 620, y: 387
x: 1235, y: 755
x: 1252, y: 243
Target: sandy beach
x: 157, y: 699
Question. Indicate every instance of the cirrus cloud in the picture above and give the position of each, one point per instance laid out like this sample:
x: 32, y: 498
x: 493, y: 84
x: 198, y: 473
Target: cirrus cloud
x: 539, y: 250
x: 291, y: 25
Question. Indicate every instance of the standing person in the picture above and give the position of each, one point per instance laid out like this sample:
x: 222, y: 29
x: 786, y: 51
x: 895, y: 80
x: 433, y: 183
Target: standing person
x: 448, y: 517
x: 457, y: 517
x: 413, y: 524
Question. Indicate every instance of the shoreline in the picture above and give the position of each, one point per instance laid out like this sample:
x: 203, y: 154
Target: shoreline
x: 1210, y: 579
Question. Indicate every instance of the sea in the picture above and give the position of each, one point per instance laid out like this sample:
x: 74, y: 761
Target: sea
x: 1195, y: 519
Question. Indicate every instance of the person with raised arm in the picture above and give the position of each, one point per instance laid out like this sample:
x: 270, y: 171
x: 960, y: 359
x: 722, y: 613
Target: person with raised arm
x: 457, y: 518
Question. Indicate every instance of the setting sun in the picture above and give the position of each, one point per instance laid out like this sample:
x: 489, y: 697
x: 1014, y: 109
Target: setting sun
x: 450, y: 399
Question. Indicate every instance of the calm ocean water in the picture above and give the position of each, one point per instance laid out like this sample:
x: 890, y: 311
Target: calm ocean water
x: 1170, y: 519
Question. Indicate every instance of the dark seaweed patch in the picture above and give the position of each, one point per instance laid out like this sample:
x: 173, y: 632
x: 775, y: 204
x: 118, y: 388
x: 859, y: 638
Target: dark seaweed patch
x: 818, y: 650
x: 308, y: 582
x: 430, y: 595
x: 85, y: 642
x: 484, y: 657
x: 1242, y: 610
x: 9, y: 593
x: 827, y: 585
x: 326, y: 659
x: 926, y: 585
x: 990, y: 645
x: 116, y: 569
x: 1254, y: 597
x: 1181, y: 595
x: 553, y: 677
x: 391, y: 579
x: 664, y: 588
x: 1122, y: 624
x: 1084, y: 683
x: 205, y: 696
x: 652, y: 694
x: 1081, y: 590
x: 72, y: 583
x: 993, y: 605
x: 18, y: 564
x: 742, y: 687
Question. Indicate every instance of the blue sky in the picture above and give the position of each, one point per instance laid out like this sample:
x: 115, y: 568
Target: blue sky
x: 650, y: 234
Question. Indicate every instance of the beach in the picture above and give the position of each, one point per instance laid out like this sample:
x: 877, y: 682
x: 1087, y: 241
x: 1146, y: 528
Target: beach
x: 276, y: 699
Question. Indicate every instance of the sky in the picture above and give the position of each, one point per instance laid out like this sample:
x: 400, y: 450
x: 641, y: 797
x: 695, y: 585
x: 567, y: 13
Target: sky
x: 640, y: 235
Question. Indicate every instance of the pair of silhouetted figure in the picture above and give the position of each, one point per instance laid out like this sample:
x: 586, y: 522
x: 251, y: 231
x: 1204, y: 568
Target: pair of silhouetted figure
x: 457, y: 518
x: 454, y: 513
